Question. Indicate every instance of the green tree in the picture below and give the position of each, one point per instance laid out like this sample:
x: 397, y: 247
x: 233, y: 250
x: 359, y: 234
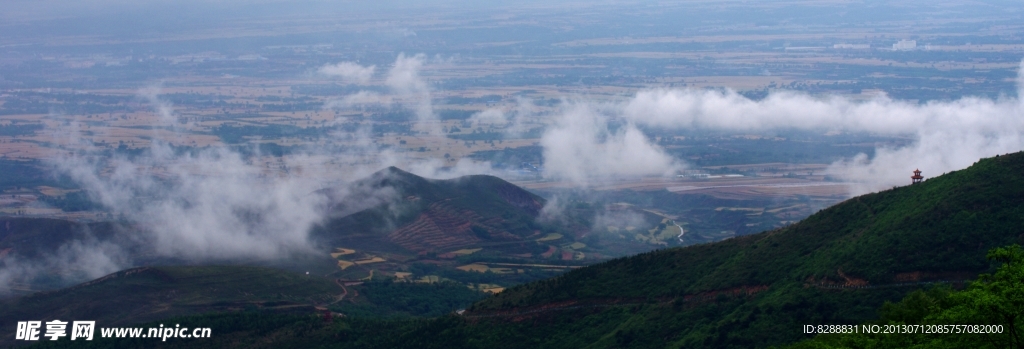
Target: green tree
x: 994, y: 299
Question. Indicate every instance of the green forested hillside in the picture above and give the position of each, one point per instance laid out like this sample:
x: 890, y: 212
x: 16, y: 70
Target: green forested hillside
x: 837, y: 266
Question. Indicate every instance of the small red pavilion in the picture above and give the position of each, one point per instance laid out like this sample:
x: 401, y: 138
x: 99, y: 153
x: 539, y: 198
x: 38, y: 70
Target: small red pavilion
x: 916, y: 178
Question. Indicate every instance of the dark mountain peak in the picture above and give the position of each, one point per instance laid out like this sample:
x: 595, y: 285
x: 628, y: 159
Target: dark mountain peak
x: 392, y: 171
x: 394, y: 177
x: 386, y: 182
x: 415, y: 214
x: 408, y: 184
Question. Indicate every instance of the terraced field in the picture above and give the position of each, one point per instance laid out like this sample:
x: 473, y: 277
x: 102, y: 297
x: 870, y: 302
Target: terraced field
x: 441, y: 227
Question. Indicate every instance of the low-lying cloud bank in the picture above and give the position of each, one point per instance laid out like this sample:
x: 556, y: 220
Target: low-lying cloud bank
x: 948, y: 135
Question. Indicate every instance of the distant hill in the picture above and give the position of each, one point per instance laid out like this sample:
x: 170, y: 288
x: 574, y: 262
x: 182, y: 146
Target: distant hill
x: 413, y: 214
x: 836, y: 267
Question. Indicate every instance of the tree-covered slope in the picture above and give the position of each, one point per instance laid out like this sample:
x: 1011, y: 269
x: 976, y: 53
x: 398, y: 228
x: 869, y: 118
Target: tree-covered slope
x: 836, y: 267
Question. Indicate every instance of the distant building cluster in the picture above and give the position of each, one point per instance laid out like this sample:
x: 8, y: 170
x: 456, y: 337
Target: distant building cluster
x: 851, y: 46
x: 698, y: 174
x: 693, y: 174
x: 905, y: 45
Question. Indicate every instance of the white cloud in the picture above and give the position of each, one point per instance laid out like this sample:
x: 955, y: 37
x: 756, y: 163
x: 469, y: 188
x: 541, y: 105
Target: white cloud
x: 349, y: 71
x: 727, y: 110
x: 163, y: 108
x: 405, y: 80
x: 581, y: 147
x: 80, y: 259
x: 211, y: 205
x: 948, y: 135
x: 513, y: 121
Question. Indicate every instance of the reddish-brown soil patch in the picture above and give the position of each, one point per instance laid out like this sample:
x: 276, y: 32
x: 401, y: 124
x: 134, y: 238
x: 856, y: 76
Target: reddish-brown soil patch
x: 442, y: 227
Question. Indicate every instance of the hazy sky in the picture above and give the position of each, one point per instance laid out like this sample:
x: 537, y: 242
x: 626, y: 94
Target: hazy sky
x: 118, y: 19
